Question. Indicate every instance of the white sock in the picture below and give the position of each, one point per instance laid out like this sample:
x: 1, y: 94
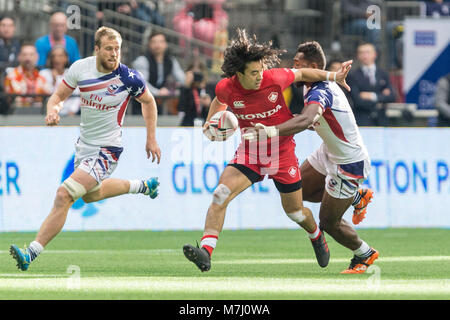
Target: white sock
x: 363, y: 251
x: 135, y: 186
x: 314, y: 234
x: 34, y: 249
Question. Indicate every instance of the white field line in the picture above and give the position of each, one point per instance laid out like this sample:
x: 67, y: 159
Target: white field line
x: 299, y: 261
x: 107, y: 251
x: 266, y: 260
x: 294, y: 286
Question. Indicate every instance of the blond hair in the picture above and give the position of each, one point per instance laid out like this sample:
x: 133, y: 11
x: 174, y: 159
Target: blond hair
x: 110, y: 33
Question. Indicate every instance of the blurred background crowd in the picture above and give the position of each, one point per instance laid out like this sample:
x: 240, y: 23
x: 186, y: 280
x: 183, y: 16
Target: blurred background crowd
x: 178, y: 46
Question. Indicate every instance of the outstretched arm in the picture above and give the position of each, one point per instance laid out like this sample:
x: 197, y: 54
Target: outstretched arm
x: 310, y: 114
x: 55, y: 103
x: 150, y: 114
x: 315, y: 75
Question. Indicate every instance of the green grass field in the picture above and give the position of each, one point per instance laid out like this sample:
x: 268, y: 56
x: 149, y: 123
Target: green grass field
x: 251, y: 264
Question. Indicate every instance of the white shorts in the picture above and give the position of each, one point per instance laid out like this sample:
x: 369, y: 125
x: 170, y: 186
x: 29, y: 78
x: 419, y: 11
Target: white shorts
x: 342, y: 181
x: 99, y: 162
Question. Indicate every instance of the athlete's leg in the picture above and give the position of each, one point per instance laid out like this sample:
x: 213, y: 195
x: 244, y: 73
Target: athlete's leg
x: 331, y: 212
x: 293, y: 206
x: 55, y: 221
x: 292, y: 202
x: 231, y: 183
x: 313, y: 183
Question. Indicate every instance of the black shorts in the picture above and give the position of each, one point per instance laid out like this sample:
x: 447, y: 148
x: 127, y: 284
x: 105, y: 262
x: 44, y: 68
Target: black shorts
x: 256, y: 177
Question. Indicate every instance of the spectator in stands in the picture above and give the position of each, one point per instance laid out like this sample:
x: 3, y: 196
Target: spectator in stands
x: 371, y: 88
x: 442, y: 100
x: 148, y: 11
x: 9, y: 44
x: 57, y: 36
x: 25, y: 79
x: 57, y: 66
x: 437, y: 8
x: 156, y: 65
x: 354, y: 20
x: 160, y: 69
x: 200, y: 20
x: 195, y: 96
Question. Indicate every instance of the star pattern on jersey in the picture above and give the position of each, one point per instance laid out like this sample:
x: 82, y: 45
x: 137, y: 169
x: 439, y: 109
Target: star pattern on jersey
x: 139, y: 91
x: 131, y: 74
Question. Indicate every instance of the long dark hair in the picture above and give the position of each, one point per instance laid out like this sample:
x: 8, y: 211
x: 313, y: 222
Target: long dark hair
x: 243, y: 50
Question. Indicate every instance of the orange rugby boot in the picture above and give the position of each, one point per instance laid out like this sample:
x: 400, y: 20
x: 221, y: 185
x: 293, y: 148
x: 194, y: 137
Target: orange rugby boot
x: 359, y: 213
x: 360, y: 265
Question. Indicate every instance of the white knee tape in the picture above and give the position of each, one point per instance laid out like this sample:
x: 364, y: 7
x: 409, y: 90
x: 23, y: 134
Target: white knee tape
x: 97, y: 187
x: 75, y: 189
x: 297, y: 216
x: 221, y: 194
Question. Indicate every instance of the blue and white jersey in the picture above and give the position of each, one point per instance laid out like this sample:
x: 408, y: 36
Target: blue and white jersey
x: 337, y: 126
x: 104, y: 99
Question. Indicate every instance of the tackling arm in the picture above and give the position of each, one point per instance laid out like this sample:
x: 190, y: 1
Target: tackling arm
x: 315, y: 75
x: 310, y: 114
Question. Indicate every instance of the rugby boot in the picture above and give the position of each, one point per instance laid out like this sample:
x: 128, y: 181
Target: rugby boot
x: 199, y: 256
x: 21, y: 256
x: 152, y: 187
x: 359, y: 213
x: 321, y: 249
x: 360, y: 265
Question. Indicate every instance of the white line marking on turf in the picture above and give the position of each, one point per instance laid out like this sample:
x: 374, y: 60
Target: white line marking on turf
x: 210, y: 285
x: 299, y: 261
x: 108, y: 251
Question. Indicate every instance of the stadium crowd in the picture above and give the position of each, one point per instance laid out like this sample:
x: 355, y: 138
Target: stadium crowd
x: 30, y: 71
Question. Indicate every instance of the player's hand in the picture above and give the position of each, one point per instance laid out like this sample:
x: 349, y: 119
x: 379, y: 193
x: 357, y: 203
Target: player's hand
x: 52, y: 119
x: 259, y: 132
x: 208, y: 133
x: 153, y: 150
x: 342, y: 74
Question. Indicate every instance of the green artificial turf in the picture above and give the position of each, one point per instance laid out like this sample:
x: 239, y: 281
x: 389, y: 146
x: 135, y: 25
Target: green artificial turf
x: 247, y: 264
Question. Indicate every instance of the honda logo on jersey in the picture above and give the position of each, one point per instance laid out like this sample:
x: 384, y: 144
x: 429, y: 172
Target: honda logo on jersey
x: 273, y: 96
x: 238, y: 104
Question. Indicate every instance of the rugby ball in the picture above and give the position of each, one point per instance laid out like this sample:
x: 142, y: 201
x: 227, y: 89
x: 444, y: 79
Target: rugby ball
x: 222, y: 125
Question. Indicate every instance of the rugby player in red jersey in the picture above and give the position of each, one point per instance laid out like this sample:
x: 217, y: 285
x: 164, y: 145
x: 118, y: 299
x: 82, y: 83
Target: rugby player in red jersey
x: 254, y: 91
x: 333, y: 173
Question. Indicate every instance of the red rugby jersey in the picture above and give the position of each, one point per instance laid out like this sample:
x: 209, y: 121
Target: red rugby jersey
x: 265, y: 105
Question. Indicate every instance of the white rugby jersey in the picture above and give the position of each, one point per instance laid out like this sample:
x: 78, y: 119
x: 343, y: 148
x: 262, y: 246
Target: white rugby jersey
x: 104, y: 99
x: 337, y: 126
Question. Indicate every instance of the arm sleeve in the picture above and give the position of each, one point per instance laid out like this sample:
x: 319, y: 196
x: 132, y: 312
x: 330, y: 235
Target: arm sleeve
x: 71, y: 76
x: 138, y: 85
x: 284, y: 77
x: 221, y: 92
x: 322, y: 97
x: 141, y: 65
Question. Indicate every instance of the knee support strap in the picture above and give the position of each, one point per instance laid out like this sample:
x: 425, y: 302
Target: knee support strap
x: 221, y: 194
x: 297, y: 216
x: 75, y: 189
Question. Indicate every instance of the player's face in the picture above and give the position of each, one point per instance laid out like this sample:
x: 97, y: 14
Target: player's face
x: 300, y: 62
x: 108, y: 54
x: 252, y: 77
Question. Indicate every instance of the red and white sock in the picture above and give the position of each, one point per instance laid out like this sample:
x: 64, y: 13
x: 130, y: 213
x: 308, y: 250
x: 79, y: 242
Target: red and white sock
x: 315, y: 234
x: 209, y: 242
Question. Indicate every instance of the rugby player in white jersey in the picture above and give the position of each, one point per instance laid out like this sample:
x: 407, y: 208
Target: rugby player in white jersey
x: 106, y: 87
x: 333, y: 173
